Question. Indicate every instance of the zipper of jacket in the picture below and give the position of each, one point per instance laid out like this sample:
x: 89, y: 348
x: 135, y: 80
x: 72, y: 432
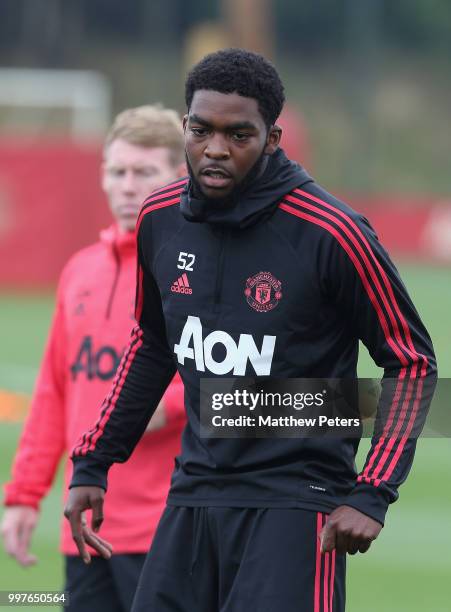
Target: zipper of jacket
x: 117, y: 260
x: 220, y: 272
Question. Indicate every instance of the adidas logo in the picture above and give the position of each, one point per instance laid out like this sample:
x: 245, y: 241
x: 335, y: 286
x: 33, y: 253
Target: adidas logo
x: 181, y: 285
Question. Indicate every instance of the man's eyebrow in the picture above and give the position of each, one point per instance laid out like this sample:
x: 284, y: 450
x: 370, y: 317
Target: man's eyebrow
x: 242, y: 125
x: 197, y: 119
x: 238, y: 125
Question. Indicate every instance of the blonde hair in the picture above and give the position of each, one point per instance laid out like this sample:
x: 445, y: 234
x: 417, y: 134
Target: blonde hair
x: 150, y: 126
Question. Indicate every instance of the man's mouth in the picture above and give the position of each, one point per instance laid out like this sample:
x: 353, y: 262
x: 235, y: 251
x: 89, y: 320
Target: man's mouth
x: 215, y: 178
x: 129, y: 209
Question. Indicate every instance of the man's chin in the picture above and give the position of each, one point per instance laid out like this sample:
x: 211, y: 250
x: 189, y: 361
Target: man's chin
x: 218, y: 191
x: 128, y: 223
x: 218, y: 195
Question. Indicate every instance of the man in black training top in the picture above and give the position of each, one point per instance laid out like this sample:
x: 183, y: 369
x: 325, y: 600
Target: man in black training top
x: 259, y: 524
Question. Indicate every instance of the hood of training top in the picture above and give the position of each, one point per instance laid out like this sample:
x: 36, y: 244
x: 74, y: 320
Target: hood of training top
x: 282, y: 282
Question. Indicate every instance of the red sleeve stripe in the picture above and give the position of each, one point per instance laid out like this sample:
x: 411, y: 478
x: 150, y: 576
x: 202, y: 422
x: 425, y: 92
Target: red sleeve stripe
x: 385, y: 279
x: 382, y: 319
x: 384, y: 457
x: 119, y: 385
x: 388, y: 301
x: 394, y: 444
x: 79, y: 448
x: 127, y: 360
x: 395, y: 459
x: 401, y: 418
x: 386, y: 454
x: 394, y: 435
x: 390, y: 451
x: 161, y: 196
x: 166, y: 190
x: 396, y: 346
x: 110, y: 401
x: 151, y: 207
x: 398, y: 391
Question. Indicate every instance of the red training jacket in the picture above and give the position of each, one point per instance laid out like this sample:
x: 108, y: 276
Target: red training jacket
x: 90, y: 329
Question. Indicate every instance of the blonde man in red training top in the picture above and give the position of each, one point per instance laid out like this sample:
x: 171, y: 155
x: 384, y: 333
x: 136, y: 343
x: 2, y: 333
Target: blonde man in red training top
x: 143, y: 151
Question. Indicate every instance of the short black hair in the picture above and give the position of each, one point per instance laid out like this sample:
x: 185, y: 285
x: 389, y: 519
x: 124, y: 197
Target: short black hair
x: 243, y: 72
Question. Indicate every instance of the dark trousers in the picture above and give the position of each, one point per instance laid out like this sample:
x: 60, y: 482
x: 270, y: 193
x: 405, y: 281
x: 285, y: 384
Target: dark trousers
x: 102, y: 586
x: 240, y: 560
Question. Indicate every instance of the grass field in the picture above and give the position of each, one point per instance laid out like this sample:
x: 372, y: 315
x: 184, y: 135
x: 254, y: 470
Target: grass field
x: 408, y: 568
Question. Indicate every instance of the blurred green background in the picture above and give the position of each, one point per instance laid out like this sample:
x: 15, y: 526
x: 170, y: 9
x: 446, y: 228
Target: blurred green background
x: 408, y: 568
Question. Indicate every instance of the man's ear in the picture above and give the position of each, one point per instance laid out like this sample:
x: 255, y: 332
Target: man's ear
x: 184, y: 122
x: 273, y: 139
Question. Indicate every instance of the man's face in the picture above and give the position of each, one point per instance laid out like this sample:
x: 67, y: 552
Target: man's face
x: 130, y: 173
x: 225, y: 136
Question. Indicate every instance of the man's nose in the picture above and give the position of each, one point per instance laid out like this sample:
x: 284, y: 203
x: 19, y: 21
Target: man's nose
x: 129, y: 182
x: 217, y: 148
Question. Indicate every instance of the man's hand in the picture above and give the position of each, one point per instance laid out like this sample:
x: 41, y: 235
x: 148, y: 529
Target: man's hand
x: 17, y: 528
x: 79, y: 500
x: 158, y: 419
x: 348, y: 531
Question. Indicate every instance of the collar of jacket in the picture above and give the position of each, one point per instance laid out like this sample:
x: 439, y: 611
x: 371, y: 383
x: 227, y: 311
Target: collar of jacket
x: 123, y: 242
x: 258, y: 201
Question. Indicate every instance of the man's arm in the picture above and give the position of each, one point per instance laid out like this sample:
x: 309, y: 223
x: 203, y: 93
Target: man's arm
x: 40, y: 448
x: 143, y: 375
x: 376, y: 305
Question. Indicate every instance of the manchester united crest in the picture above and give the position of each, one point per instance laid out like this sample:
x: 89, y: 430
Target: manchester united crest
x: 263, y: 291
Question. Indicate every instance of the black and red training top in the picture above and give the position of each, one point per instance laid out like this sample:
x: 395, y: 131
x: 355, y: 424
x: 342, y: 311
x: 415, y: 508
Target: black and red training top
x: 282, y: 281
